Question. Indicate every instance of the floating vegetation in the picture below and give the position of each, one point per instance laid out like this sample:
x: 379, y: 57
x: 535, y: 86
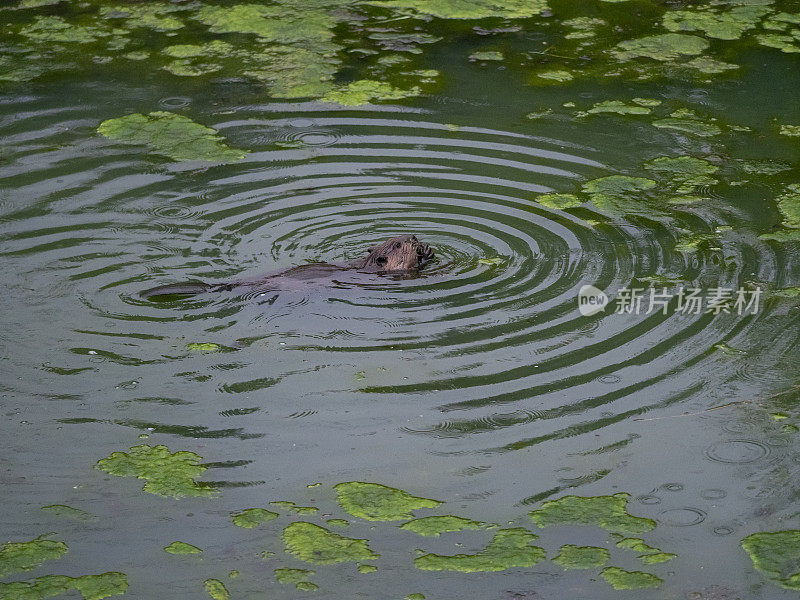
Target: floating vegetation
x: 153, y: 15
x: 728, y: 23
x: 203, y: 347
x: 621, y: 579
x: 314, y: 544
x: 171, y: 135
x: 337, y: 522
x: 559, y: 75
x: 582, y: 27
x: 581, y: 557
x: 620, y: 194
x: 216, y: 589
x: 790, y: 130
x: 687, y: 121
x: 24, y: 556
x: 486, y: 55
x: 376, y: 502
x: 91, y: 587
x: 367, y: 568
x: 433, y: 526
x: 509, y: 548
x: 647, y: 554
x: 166, y: 474
x: 618, y: 107
x: 710, y: 66
x: 693, y: 242
x: 683, y: 174
x: 789, y: 206
x: 608, y: 512
x: 366, y: 90
x: 182, y: 548
x: 292, y: 507
x: 250, y: 517
x: 559, y: 201
x: 468, y: 9
x: 299, y: 577
x: 664, y: 47
x: 777, y: 555
x: 62, y: 510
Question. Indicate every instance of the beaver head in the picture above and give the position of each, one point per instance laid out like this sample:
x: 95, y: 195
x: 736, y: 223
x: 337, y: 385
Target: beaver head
x: 397, y: 254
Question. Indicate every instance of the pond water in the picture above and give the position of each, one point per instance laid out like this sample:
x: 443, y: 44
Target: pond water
x: 476, y: 382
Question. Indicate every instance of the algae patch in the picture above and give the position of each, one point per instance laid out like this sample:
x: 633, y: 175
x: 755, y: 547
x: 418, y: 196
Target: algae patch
x: 166, y: 474
x: 62, y: 510
x: 171, y: 135
x: 581, y: 557
x: 434, y: 526
x: 664, y: 47
x: 509, y: 548
x: 292, y: 507
x: 365, y: 91
x: 91, y: 587
x: 314, y: 544
x: 182, y: 548
x: 216, y: 589
x: 299, y: 577
x: 647, y: 554
x: 24, y: 556
x: 687, y: 121
x: 250, y: 517
x: 376, y: 502
x: 621, y: 579
x: 777, y: 555
x: 608, y: 512
x: 559, y: 201
x: 468, y: 9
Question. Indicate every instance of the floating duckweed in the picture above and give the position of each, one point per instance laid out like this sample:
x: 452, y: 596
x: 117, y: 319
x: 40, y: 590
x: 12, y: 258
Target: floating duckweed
x: 487, y: 55
x: 620, y: 579
x: 364, y: 91
x: 147, y: 14
x: 539, y: 113
x: 789, y: 205
x: 695, y: 241
x: 337, y: 522
x: 182, y: 548
x: 433, y: 526
x: 664, y: 47
x: 293, y: 72
x: 469, y: 9
x: 415, y: 597
x: 620, y: 194
x: 62, y: 510
x: 559, y: 75
x: 295, y: 576
x: 166, y: 474
x: 647, y: 554
x: 281, y: 23
x: 137, y: 55
x: 790, y: 130
x: 763, y: 167
x: 581, y: 557
x: 170, y: 135
x: 789, y: 292
x: 608, y: 512
x: 683, y: 173
x: 583, y: 27
x: 315, y: 544
x: 509, y: 548
x: 711, y: 66
x: 91, y: 587
x: 727, y: 24
x: 687, y: 121
x: 204, y: 347
x: 250, y: 517
x: 656, y: 557
x: 618, y: 107
x: 367, y: 568
x: 214, y: 48
x: 37, y: 3
x: 776, y: 555
x: 24, y: 556
x: 779, y: 416
x: 292, y: 507
x: 376, y: 502
x: 558, y: 201
x: 56, y: 29
x: 646, y: 101
x: 784, y: 43
x: 216, y: 589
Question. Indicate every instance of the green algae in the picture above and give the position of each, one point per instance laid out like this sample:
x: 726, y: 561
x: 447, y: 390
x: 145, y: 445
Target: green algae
x: 687, y: 121
x: 283, y: 23
x: 559, y: 201
x: 166, y: 474
x: 62, y: 510
x: 710, y: 66
x: 37, y: 3
x: 509, y: 548
x: 486, y: 55
x: 376, y: 502
x: 434, y: 526
x: 314, y: 544
x: 24, y: 556
x: 468, y: 9
x: 146, y: 14
x: 367, y: 569
x: 292, y: 507
x: 647, y: 554
x: 337, y: 522
x: 171, y: 135
x: 299, y: 577
x: 182, y: 548
x: 581, y: 557
x: 91, y: 587
x: 491, y: 262
x: 293, y: 72
x: 619, y: 107
x: 664, y: 47
x: 620, y: 194
x: 784, y: 43
x: 54, y: 29
x: 415, y: 597
x: 216, y: 589
x: 776, y: 555
x: 790, y: 130
x: 365, y: 91
x: 693, y: 242
x: 683, y: 174
x: 608, y: 512
x: 204, y: 347
x: 789, y: 206
x: 724, y: 24
x: 582, y: 27
x: 620, y: 579
x: 559, y: 75
x: 250, y: 517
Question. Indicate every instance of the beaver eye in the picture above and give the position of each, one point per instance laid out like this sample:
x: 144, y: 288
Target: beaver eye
x: 381, y: 260
x: 398, y: 245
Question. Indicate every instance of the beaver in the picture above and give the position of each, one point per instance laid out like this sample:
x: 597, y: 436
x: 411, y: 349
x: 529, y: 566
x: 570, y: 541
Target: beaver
x: 399, y: 255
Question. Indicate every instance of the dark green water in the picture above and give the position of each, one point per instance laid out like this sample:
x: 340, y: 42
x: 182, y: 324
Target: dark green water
x: 477, y: 383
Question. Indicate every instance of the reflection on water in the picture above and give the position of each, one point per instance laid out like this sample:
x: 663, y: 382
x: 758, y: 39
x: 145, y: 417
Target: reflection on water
x: 477, y: 382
